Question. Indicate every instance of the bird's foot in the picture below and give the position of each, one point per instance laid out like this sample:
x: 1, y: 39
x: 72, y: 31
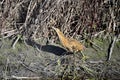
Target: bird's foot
x: 84, y: 58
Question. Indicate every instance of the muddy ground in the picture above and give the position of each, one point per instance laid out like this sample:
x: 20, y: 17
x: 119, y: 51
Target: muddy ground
x: 37, y: 60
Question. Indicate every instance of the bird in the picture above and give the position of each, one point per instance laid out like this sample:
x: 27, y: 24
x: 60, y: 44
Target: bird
x: 69, y: 43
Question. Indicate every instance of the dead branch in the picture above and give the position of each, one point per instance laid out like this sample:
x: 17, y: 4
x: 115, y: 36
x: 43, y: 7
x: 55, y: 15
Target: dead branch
x: 111, y: 47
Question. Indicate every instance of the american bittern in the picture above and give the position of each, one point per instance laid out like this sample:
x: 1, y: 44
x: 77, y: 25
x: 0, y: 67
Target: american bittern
x: 69, y: 43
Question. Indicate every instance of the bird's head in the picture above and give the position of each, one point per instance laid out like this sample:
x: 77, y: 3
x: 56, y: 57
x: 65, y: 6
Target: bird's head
x: 58, y: 31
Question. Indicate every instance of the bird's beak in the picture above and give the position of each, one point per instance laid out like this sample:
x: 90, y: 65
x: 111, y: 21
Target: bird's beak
x: 54, y: 28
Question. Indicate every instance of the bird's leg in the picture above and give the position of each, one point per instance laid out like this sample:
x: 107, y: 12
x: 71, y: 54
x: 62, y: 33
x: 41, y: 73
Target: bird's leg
x: 75, y: 66
x: 83, y: 56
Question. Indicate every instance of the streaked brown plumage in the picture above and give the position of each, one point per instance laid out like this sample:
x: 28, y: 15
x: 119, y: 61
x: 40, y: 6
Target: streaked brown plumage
x: 71, y: 44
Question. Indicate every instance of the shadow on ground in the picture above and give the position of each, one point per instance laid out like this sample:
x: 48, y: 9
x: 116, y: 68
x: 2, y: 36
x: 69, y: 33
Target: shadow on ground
x: 49, y: 48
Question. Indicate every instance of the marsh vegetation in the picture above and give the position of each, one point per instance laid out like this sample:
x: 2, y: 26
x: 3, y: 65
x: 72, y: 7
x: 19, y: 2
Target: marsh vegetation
x: 30, y: 48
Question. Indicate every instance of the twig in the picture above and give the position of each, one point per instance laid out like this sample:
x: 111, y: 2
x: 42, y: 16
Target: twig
x: 29, y: 12
x: 96, y: 62
x: 110, y: 49
x: 2, y: 1
x: 24, y: 65
x: 7, y: 32
x: 13, y: 45
x: 28, y: 78
x: 95, y: 45
x: 8, y: 35
x: 6, y: 68
x: 99, y: 33
x: 90, y: 71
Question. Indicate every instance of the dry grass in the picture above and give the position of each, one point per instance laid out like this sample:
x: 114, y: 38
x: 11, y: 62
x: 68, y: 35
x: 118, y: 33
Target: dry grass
x: 78, y: 18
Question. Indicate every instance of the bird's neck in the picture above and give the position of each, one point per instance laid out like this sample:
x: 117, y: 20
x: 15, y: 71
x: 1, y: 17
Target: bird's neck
x: 61, y: 36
